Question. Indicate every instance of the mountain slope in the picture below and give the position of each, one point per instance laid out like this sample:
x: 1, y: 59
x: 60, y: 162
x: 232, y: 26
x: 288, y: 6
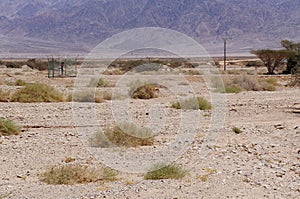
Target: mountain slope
x: 247, y: 23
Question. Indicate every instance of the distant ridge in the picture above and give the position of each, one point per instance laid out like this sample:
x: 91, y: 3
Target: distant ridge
x: 76, y: 26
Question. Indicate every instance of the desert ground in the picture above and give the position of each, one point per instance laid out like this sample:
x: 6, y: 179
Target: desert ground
x: 260, y: 162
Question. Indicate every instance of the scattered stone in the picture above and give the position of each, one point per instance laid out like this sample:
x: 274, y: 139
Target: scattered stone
x: 279, y: 126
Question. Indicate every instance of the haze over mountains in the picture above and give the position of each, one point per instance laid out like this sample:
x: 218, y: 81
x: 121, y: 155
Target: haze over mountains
x: 76, y: 26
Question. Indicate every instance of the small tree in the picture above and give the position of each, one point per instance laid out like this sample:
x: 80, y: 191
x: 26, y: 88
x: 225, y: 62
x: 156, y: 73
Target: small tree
x: 272, y: 58
x: 291, y: 46
x: 293, y: 64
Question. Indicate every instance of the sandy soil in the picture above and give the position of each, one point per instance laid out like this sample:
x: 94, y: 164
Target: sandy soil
x: 261, y: 162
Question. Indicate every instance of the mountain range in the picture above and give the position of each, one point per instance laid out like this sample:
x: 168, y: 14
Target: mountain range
x: 77, y: 26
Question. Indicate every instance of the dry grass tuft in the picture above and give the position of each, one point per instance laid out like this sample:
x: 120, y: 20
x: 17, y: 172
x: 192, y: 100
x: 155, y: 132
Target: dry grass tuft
x: 4, y: 96
x: 77, y: 174
x: 194, y: 103
x: 125, y: 135
x: 7, y: 128
x: 94, y: 82
x: 103, y: 96
x: 37, y: 92
x: 20, y: 82
x: 90, y: 95
x: 247, y: 83
x: 163, y: 171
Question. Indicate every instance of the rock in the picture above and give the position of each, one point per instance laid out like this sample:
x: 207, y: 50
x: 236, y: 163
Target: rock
x: 279, y: 126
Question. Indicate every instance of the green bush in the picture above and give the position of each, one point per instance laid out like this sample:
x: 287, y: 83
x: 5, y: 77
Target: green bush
x: 77, y: 174
x: 37, y: 92
x: 193, y: 103
x: 125, y: 134
x: 7, y: 127
x: 163, y: 171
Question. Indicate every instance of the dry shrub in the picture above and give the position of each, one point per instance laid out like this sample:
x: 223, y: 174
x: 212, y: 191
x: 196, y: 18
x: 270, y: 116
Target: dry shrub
x: 37, y: 64
x: 125, y: 134
x: 8, y: 127
x: 102, y: 96
x: 37, y: 92
x: 13, y: 64
x: 113, y: 72
x: 191, y: 72
x: 89, y: 95
x: 295, y: 80
x: 94, y: 82
x: 32, y: 63
x: 248, y: 83
x: 4, y: 96
x: 84, y: 96
x: 20, y: 82
x: 77, y: 174
x: 141, y: 90
x: 193, y: 103
x: 163, y: 171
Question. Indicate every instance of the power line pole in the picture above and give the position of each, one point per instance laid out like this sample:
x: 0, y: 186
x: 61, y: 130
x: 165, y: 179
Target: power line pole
x: 225, y: 42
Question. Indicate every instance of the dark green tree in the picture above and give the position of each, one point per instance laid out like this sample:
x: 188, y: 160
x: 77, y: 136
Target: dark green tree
x: 293, y: 64
x: 272, y: 58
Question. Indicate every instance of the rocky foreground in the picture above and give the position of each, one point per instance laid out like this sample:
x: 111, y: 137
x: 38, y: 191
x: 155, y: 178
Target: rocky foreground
x: 260, y: 162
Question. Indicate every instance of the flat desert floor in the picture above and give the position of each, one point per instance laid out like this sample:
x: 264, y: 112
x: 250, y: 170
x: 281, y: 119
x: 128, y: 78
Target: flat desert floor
x: 261, y: 162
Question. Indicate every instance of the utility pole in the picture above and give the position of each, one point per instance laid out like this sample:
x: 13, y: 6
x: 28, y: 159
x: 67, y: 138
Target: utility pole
x: 225, y: 41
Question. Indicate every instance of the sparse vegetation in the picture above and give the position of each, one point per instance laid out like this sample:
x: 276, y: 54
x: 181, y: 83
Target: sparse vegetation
x: 233, y: 89
x: 193, y: 103
x: 94, y: 82
x: 247, y: 83
x: 20, y: 82
x: 8, y: 127
x: 209, y: 172
x: 90, y: 95
x: 122, y: 66
x: 272, y: 58
x: 125, y: 134
x: 69, y: 159
x: 100, y: 139
x: 77, y: 174
x: 37, y: 64
x: 163, y: 171
x: 4, y: 96
x: 37, y: 92
x: 102, y: 96
x: 86, y: 95
x: 32, y: 63
x: 295, y: 80
x: 140, y: 90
